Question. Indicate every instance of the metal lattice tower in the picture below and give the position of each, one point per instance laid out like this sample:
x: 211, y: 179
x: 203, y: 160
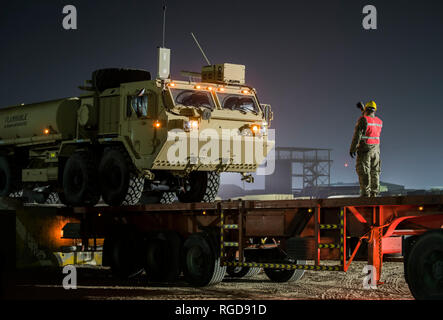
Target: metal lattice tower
x: 314, y: 165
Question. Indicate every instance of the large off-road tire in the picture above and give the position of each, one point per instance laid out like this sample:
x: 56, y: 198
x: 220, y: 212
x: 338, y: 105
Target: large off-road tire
x: 16, y: 194
x: 149, y: 197
x: 119, y: 182
x: 282, y: 275
x: 201, y: 263
x: 200, y: 186
x: 123, y: 254
x: 80, y: 180
x: 162, y: 262
x: 52, y: 198
x: 9, y: 177
x: 47, y: 198
x: 425, y: 267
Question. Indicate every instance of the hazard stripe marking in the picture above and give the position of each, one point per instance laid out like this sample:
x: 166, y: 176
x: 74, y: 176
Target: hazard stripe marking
x: 328, y: 246
x: 329, y: 226
x: 283, y: 266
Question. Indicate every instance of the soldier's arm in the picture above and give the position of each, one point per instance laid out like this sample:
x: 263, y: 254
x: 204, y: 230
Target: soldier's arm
x: 359, y: 131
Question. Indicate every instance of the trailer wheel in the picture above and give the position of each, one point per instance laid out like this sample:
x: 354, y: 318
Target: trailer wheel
x: 120, y: 185
x: 162, y: 262
x: 9, y: 177
x: 124, y: 256
x: 408, y: 243
x: 201, y: 263
x: 200, y: 186
x: 242, y: 272
x: 80, y: 180
x: 282, y: 275
x: 425, y: 267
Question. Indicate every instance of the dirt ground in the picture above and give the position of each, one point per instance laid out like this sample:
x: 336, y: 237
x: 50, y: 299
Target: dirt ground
x: 96, y: 283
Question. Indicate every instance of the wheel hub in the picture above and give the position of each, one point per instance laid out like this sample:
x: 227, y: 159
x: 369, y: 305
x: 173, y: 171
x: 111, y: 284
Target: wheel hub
x: 196, y: 260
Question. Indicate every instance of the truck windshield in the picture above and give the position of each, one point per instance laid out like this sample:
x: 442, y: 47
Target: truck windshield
x: 238, y: 102
x: 193, y: 98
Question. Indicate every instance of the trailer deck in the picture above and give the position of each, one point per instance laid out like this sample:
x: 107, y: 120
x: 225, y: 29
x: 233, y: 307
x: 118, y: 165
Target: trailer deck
x: 277, y: 235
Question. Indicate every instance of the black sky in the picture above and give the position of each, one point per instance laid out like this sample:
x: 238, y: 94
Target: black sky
x: 311, y: 60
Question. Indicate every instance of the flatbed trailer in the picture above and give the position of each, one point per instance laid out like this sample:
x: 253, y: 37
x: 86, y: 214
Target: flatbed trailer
x: 206, y: 240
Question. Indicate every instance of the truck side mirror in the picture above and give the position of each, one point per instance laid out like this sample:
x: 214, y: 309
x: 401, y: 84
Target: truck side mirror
x: 268, y: 114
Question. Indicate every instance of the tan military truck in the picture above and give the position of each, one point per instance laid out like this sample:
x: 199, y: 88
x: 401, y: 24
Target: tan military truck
x: 115, y: 140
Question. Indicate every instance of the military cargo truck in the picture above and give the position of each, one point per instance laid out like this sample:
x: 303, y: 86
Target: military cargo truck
x: 116, y: 141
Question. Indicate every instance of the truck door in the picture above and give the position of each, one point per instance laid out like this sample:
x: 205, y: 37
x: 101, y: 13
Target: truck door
x: 141, y: 110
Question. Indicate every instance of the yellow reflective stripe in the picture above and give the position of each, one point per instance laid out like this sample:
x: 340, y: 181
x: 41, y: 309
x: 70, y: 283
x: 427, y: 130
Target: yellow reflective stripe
x: 283, y: 266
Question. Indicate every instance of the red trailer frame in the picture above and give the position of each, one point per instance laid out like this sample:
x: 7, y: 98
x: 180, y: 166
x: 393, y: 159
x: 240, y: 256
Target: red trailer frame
x: 379, y: 221
x: 330, y: 229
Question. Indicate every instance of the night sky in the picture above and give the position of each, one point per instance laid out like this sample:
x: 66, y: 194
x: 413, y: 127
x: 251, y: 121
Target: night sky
x: 311, y: 60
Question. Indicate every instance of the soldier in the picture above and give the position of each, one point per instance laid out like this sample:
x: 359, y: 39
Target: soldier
x: 366, y: 143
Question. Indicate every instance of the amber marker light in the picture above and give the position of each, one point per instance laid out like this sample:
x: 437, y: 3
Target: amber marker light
x: 198, y: 87
x: 421, y: 208
x: 210, y: 88
x: 221, y: 89
x: 245, y: 91
x: 172, y: 84
x: 255, y: 128
x: 157, y: 124
x: 46, y: 131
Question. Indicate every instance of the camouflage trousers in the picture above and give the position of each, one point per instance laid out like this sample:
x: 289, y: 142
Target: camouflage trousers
x: 368, y: 170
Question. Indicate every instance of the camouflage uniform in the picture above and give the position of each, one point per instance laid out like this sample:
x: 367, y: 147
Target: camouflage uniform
x: 367, y: 162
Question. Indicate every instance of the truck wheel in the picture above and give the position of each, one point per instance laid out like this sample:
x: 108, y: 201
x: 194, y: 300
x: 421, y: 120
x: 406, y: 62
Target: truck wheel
x: 80, y: 180
x: 282, y: 275
x: 200, y: 186
x: 150, y: 197
x: 9, y: 177
x: 162, y: 262
x: 425, y: 267
x: 16, y: 194
x: 48, y: 198
x: 120, y: 185
x: 201, y: 264
x: 53, y: 198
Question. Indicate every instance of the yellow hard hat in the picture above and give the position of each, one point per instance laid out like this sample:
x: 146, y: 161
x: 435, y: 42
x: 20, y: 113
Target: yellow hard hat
x: 371, y: 104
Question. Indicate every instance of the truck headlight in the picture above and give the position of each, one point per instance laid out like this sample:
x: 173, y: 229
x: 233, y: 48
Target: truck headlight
x: 252, y: 130
x: 190, y: 125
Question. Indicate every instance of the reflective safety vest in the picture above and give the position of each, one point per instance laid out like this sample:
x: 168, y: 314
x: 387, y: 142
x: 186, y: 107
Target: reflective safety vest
x: 373, y: 131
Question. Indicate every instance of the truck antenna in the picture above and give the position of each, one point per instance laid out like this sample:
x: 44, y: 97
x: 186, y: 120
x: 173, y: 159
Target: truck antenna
x: 201, y: 50
x: 164, y: 23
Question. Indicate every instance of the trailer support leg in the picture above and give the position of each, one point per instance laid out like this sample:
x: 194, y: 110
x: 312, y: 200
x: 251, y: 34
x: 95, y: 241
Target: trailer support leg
x: 375, y: 253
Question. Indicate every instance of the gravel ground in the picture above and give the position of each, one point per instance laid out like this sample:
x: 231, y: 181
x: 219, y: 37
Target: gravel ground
x: 96, y: 283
